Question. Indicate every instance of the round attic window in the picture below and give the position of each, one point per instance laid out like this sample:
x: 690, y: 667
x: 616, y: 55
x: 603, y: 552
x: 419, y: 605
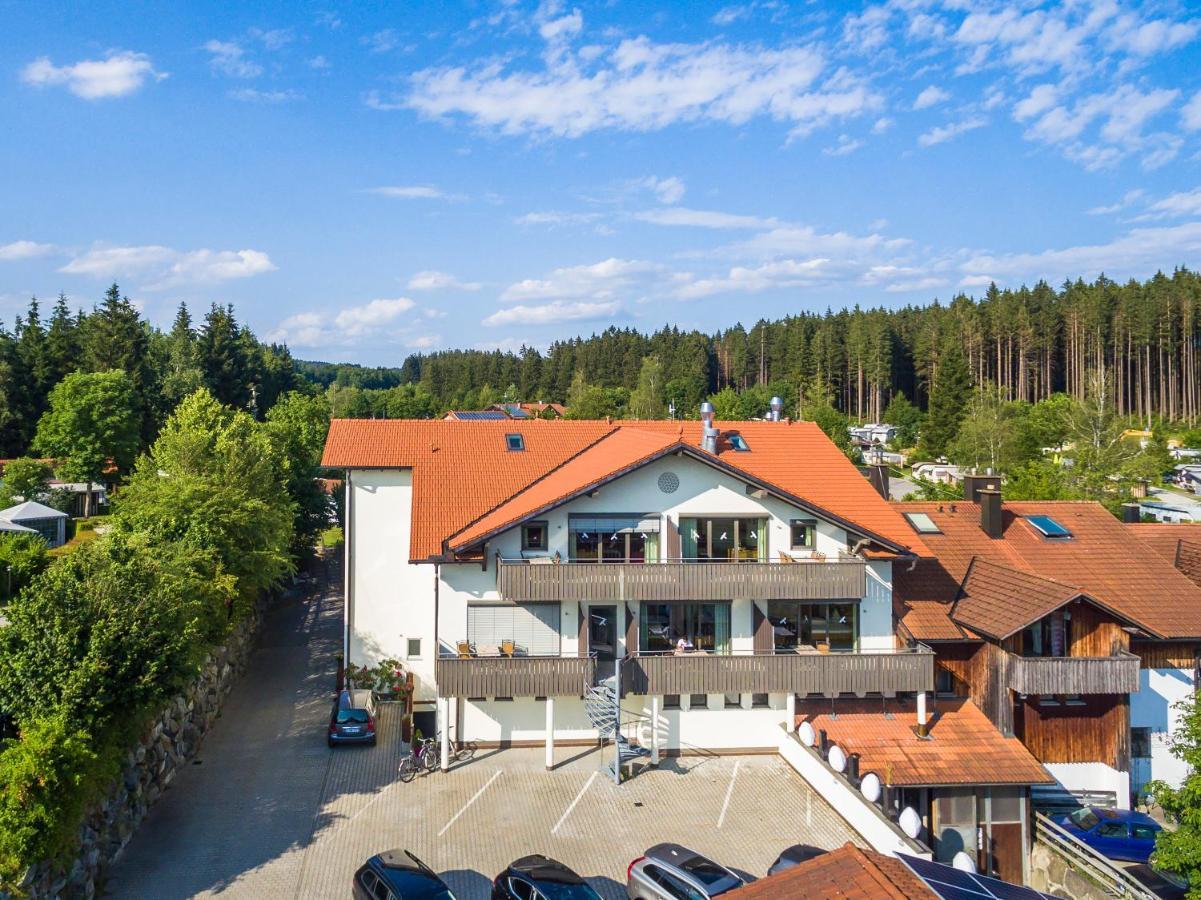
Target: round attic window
x: 669, y: 482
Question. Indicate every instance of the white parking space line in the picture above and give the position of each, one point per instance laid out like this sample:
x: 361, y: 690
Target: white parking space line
x: 567, y: 812
x: 467, y: 805
x: 729, y: 792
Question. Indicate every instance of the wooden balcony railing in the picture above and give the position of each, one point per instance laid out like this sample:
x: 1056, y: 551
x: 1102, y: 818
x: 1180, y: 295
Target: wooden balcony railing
x: 1117, y: 674
x: 514, y: 676
x: 522, y: 581
x: 798, y: 673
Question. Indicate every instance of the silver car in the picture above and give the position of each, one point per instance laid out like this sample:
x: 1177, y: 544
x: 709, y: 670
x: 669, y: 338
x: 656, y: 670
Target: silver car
x: 672, y: 872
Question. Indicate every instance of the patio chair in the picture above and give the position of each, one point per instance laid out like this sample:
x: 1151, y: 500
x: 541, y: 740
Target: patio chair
x: 507, y: 648
x: 466, y: 651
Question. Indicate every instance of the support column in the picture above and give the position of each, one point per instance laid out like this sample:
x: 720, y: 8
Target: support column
x: 790, y: 709
x: 444, y: 730
x: 550, y: 733
x: 655, y: 730
x: 922, y: 728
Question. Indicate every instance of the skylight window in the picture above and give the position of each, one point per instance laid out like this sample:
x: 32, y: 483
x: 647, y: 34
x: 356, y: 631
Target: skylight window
x: 1048, y: 527
x: 516, y: 442
x: 922, y: 523
x: 738, y: 442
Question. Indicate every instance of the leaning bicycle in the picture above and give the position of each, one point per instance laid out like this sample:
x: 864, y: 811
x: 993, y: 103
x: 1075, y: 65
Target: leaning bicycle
x: 423, y: 755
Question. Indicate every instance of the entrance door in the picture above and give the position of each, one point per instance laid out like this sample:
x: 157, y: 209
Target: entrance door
x: 1140, y: 761
x: 602, y: 632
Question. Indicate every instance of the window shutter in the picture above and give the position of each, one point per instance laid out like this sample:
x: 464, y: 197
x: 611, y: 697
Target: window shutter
x: 673, y: 539
x: 583, y: 634
x: 764, y: 638
x: 631, y: 630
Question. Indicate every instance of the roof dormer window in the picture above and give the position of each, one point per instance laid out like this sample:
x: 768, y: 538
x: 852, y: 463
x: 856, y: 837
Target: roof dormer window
x: 738, y: 442
x: 1049, y: 528
x: 515, y: 442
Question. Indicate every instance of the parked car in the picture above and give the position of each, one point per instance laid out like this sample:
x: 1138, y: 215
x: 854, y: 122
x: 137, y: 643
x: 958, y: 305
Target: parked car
x: 352, y: 720
x: 398, y: 875
x: 539, y: 877
x: 672, y: 872
x: 1114, y: 833
x: 794, y: 856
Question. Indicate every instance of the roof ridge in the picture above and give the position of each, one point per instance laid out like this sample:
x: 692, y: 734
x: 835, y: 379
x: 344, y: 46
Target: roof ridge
x: 875, y: 872
x: 997, y: 565
x: 446, y: 540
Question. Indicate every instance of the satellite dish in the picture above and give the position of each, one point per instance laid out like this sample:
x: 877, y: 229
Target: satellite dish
x: 963, y: 862
x: 910, y: 822
x: 807, y: 734
x: 837, y: 759
x: 870, y: 787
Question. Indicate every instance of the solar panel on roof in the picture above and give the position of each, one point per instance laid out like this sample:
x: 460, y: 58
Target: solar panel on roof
x: 952, y: 884
x: 481, y: 415
x: 1048, y: 527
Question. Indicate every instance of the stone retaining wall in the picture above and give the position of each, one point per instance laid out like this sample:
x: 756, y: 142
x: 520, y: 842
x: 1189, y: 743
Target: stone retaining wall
x: 1050, y: 874
x: 170, y: 743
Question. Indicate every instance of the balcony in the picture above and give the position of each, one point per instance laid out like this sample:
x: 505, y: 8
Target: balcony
x: 526, y: 581
x: 514, y: 676
x: 1117, y: 674
x: 885, y: 672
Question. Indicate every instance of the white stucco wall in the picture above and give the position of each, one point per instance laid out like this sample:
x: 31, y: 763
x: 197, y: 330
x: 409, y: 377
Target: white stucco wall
x: 1154, y: 707
x: 391, y: 600
x: 1093, y: 776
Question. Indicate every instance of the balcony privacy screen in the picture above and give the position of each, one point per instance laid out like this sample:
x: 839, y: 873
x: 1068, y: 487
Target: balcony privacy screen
x: 608, y: 525
x: 532, y: 627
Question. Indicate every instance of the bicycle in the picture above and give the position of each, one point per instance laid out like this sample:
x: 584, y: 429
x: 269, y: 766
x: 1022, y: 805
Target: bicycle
x: 423, y: 755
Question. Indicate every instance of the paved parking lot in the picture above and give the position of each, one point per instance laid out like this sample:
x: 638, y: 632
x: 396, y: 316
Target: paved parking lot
x: 271, y: 812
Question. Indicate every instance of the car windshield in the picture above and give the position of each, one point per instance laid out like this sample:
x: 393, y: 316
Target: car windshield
x: 419, y: 886
x: 352, y: 717
x: 710, y: 874
x: 1084, y: 818
x: 557, y: 891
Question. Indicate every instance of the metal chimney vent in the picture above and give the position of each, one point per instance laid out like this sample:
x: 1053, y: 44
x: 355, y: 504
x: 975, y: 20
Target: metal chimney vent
x: 709, y: 432
x: 777, y: 409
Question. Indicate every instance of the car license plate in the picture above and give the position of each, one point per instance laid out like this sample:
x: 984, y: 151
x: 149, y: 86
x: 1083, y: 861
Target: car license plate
x: 352, y: 729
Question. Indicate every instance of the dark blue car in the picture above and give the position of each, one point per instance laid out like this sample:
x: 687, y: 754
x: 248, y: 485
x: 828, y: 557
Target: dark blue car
x: 1114, y: 833
x: 398, y: 875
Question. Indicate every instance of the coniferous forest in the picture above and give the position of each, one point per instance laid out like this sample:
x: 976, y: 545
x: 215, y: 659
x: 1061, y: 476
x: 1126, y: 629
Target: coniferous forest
x: 1142, y: 338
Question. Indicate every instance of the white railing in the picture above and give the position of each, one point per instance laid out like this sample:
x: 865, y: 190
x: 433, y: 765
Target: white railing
x: 1088, y: 862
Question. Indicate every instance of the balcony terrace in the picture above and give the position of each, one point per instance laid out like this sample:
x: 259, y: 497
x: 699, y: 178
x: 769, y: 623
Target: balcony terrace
x: 1117, y: 674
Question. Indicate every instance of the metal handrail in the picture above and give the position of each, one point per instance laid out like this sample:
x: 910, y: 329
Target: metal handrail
x: 1087, y: 861
x: 557, y: 560
x: 880, y: 651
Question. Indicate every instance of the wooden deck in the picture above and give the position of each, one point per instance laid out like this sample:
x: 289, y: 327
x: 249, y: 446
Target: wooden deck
x: 1116, y: 674
x: 523, y: 582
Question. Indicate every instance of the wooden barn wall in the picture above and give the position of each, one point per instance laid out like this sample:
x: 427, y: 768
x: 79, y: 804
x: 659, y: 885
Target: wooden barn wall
x: 1166, y: 654
x: 983, y: 671
x: 1095, y: 632
x: 1094, y: 730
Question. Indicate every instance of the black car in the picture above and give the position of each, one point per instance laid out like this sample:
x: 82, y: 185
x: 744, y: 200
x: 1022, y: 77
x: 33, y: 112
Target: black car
x: 398, y: 875
x: 540, y: 878
x: 794, y: 856
x: 352, y: 720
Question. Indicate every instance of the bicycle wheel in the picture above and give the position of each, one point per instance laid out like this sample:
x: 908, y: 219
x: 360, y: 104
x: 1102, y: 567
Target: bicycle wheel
x: 466, y: 751
x: 408, y: 769
x: 429, y: 756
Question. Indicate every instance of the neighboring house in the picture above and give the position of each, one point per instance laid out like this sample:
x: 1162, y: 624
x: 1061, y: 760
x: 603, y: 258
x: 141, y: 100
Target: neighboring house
x: 848, y: 872
x: 87, y: 498
x: 1064, y: 628
x: 940, y: 473
x: 50, y: 523
x: 867, y: 435
x: 531, y: 410
x: 1184, y: 453
x: 1188, y: 477
x: 1169, y: 512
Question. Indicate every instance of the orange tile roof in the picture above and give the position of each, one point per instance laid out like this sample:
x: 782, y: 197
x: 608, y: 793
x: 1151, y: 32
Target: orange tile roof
x: 850, y: 872
x: 1101, y: 561
x: 963, y: 748
x: 1178, y: 543
x: 930, y: 620
x: 997, y: 601
x: 462, y: 471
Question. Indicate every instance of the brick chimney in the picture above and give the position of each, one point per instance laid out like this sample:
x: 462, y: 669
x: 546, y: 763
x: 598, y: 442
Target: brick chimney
x: 973, y: 484
x: 990, y: 512
x: 877, y: 474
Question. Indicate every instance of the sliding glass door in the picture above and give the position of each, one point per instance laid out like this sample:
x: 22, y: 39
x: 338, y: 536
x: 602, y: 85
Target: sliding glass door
x: 702, y: 626
x: 723, y: 539
x: 799, y: 626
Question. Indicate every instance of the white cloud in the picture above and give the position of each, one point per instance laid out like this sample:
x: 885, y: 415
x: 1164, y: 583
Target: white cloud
x: 748, y: 280
x: 431, y: 280
x: 562, y: 28
x: 1190, y: 114
x: 274, y: 39
x: 702, y: 218
x: 844, y: 146
x: 1136, y: 252
x: 409, y: 192
x: 931, y: 96
x: 728, y: 15
x: 166, y: 267
x: 381, y: 41
x: 668, y: 190
x: 869, y: 30
x: 307, y: 329
x: 553, y: 313
x: 228, y: 58
x: 1109, y: 209
x: 554, y: 218
x: 24, y: 250
x: 882, y: 125
x: 640, y: 85
x: 598, y: 281
x: 250, y: 95
x: 1174, y: 206
x: 425, y: 341
x: 807, y: 242
x: 946, y: 132
x: 357, y: 320
x: 120, y: 73
x: 319, y: 62
x: 1148, y: 38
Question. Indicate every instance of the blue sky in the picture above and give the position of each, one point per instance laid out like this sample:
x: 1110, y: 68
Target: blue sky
x: 367, y: 181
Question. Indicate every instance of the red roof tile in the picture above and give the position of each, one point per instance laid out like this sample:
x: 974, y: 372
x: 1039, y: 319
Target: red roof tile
x: 463, y: 470
x: 849, y: 873
x: 1178, y: 543
x: 1101, y: 561
x: 930, y: 620
x: 963, y: 747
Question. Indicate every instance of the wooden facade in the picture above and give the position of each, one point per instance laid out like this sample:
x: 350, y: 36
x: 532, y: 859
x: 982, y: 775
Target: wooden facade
x: 515, y: 676
x: 1166, y: 654
x: 1117, y: 674
x: 827, y: 674
x: 525, y: 582
x: 1092, y: 729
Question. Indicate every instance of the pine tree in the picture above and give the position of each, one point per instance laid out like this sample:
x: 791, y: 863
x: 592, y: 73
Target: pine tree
x: 115, y: 337
x: 949, y: 397
x: 63, y: 351
x: 222, y: 357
